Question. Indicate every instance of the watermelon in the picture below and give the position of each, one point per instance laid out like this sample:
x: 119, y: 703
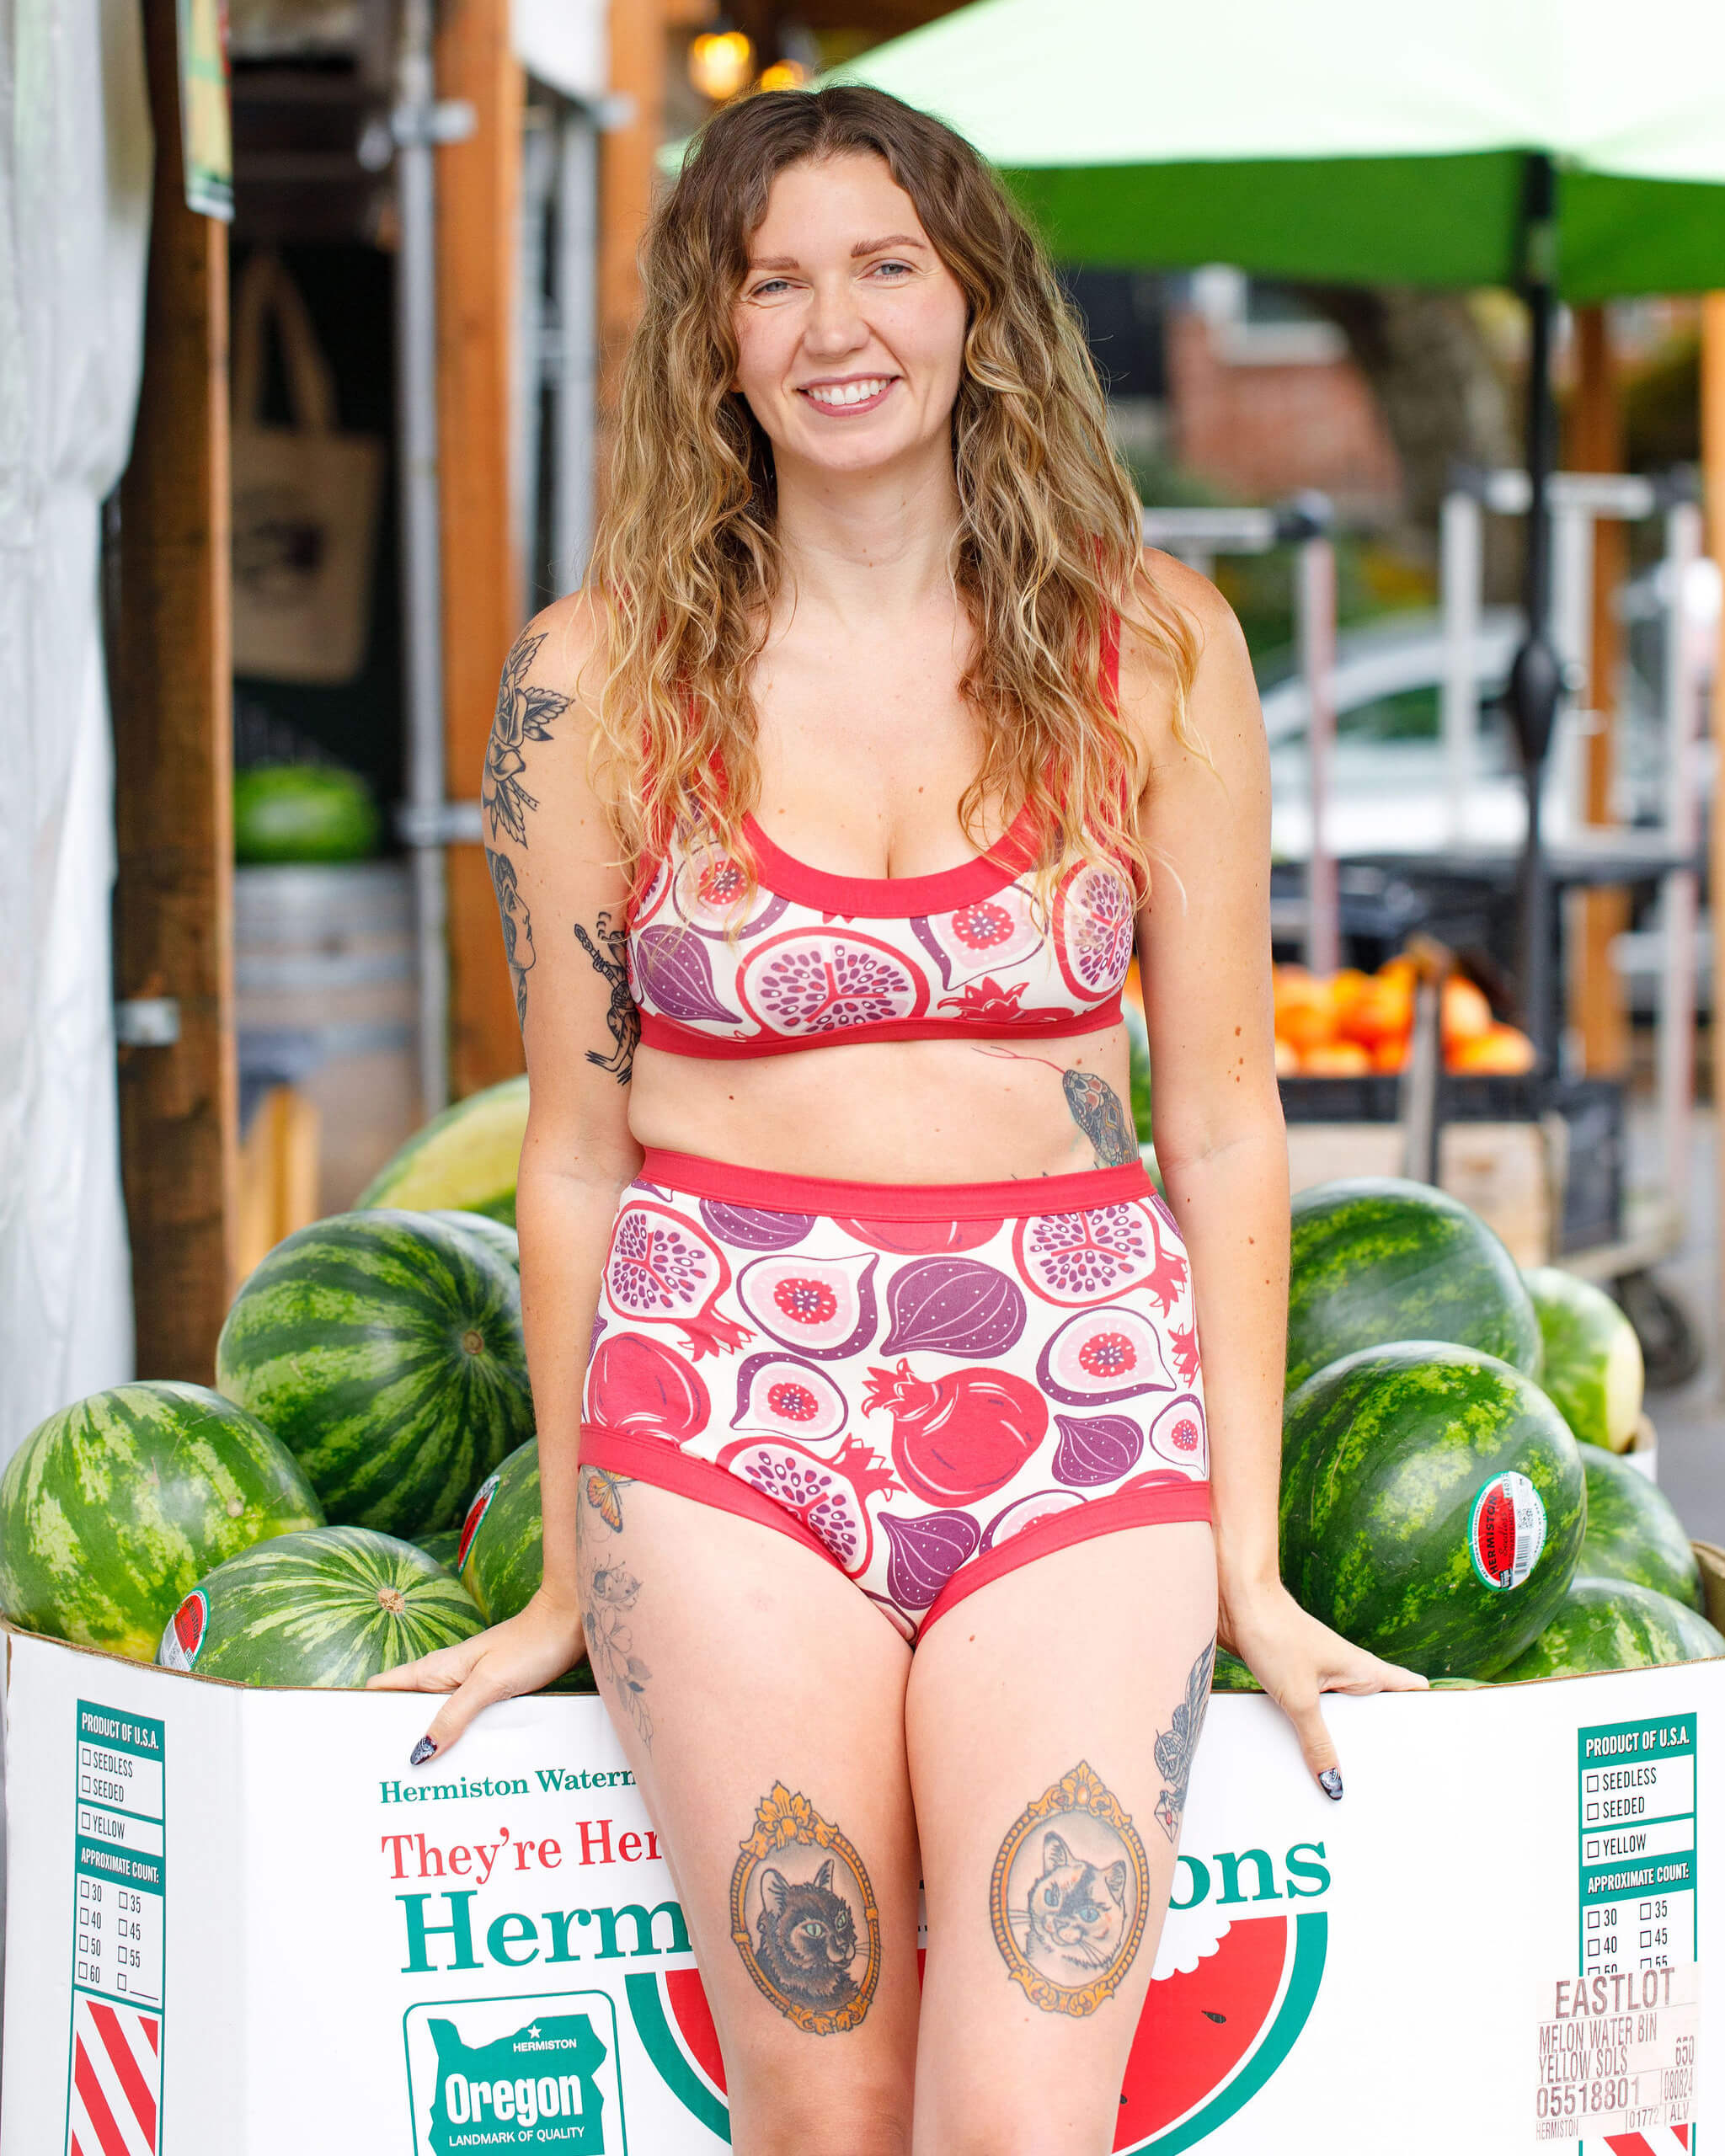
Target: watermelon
x: 327, y: 1608
x: 1632, y: 1532
x: 442, y: 1545
x: 1608, y: 1623
x: 1433, y: 1504
x: 111, y: 1509
x: 502, y: 1557
x: 497, y: 1236
x: 1593, y: 1364
x: 303, y: 812
x: 466, y: 1157
x: 1231, y: 1674
x: 1375, y: 1260
x: 384, y: 1350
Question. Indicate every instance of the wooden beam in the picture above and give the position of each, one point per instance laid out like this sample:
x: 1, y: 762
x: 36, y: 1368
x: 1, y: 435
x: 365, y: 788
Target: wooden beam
x: 1596, y: 1004
x: 625, y: 179
x: 1713, y: 484
x: 174, y: 734
x: 478, y: 211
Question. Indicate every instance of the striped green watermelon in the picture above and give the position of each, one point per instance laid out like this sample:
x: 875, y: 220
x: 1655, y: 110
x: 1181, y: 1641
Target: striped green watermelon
x: 502, y: 1557
x: 1433, y: 1503
x: 1231, y: 1674
x: 1607, y: 1624
x: 303, y: 812
x: 326, y: 1608
x: 384, y: 1350
x: 111, y: 1509
x: 1634, y: 1532
x: 1375, y: 1260
x: 497, y: 1236
x: 466, y: 1157
x: 442, y: 1545
x: 1593, y: 1361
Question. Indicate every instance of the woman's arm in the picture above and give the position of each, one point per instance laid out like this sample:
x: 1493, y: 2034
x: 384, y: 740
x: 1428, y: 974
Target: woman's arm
x: 1203, y: 943
x: 560, y: 900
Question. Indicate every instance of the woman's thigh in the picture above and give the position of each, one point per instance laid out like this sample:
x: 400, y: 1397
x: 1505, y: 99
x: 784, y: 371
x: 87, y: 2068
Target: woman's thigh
x: 1051, y: 1718
x: 759, y: 1700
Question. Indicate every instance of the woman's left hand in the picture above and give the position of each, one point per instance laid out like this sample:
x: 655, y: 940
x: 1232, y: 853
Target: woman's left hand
x: 1296, y: 1659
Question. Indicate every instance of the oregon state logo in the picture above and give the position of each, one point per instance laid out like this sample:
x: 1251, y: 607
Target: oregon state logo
x: 184, y: 1637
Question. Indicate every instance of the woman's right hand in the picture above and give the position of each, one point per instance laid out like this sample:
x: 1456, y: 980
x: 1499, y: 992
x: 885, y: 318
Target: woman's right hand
x: 524, y: 1654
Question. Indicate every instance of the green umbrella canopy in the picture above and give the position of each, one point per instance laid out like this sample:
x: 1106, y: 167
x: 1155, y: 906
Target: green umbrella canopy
x: 1344, y: 141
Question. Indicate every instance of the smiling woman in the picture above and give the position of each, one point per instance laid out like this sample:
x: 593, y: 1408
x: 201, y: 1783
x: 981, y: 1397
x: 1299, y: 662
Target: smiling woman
x: 879, y: 1463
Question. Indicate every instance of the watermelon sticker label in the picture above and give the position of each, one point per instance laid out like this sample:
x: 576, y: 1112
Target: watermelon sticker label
x: 1506, y: 1531
x: 476, y: 1512
x: 183, y: 1638
x: 516, y: 2074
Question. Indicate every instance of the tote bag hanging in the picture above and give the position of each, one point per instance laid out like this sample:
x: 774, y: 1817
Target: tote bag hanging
x: 305, y: 500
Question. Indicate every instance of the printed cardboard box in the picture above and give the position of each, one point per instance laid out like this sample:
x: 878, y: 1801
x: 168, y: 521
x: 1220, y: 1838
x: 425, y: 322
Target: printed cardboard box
x: 240, y: 1926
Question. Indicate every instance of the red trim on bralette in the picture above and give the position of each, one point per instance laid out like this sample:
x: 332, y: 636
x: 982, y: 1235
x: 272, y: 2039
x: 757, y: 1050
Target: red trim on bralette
x: 894, y: 898
x: 671, y: 1036
x: 827, y: 1198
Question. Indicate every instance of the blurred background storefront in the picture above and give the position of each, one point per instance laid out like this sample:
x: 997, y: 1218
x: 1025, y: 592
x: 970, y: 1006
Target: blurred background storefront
x: 375, y: 338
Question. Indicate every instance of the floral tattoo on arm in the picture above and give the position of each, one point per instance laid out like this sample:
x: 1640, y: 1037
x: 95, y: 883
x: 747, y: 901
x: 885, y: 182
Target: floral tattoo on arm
x: 526, y: 711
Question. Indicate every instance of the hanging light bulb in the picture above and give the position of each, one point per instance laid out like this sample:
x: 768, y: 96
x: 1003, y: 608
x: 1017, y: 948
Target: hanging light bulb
x: 720, y: 64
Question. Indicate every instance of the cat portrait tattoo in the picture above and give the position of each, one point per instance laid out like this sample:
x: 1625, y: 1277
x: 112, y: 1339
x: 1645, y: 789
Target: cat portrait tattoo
x: 526, y: 711
x: 623, y: 1020
x: 1176, y: 1745
x: 1076, y: 1915
x: 1069, y: 1898
x: 806, y: 1938
x: 803, y: 1916
x: 517, y: 926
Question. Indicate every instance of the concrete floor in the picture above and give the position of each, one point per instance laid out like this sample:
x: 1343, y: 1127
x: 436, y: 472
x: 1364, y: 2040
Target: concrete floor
x: 1690, y: 1422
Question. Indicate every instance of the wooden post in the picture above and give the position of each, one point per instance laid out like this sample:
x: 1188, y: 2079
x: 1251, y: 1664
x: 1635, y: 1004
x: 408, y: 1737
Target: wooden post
x: 1596, y: 1003
x: 478, y: 191
x: 1713, y: 481
x: 626, y: 175
x: 173, y: 742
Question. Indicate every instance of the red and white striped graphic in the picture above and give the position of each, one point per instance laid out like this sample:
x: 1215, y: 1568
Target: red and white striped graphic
x: 116, y: 2079
x: 1651, y: 2140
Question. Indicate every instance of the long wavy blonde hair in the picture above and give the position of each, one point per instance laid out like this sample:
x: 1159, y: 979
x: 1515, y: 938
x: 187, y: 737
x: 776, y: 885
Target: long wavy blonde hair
x: 1047, y: 552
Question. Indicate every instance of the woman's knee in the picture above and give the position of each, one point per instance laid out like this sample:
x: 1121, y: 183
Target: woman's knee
x: 794, y: 2108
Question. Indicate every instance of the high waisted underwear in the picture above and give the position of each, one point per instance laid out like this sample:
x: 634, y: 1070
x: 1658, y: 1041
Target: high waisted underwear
x: 927, y: 1384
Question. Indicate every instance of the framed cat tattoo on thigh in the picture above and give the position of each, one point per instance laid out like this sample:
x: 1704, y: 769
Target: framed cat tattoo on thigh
x: 1069, y: 1894
x: 803, y: 1916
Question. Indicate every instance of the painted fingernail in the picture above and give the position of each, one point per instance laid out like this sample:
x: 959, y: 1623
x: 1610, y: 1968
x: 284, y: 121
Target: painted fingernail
x: 1329, y: 1781
x: 427, y: 1745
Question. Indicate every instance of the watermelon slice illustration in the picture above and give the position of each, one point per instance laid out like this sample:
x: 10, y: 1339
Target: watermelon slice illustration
x: 1209, y: 2038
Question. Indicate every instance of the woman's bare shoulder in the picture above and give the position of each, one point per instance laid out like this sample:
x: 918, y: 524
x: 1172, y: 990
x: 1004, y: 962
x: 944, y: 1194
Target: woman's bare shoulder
x: 558, y: 647
x: 1200, y: 634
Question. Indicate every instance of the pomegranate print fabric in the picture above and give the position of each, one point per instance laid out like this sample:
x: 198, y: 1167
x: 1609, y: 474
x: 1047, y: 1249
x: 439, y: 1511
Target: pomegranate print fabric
x: 924, y: 1399
x: 811, y: 958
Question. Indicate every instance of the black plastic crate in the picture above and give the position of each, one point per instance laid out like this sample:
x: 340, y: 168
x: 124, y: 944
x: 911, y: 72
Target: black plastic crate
x: 1592, y: 1107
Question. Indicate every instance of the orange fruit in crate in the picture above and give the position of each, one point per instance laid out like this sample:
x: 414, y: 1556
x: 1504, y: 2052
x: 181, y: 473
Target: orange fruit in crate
x: 1465, y: 1014
x: 1391, y: 1055
x: 1502, y: 1049
x: 1335, y: 1059
x: 1346, y: 989
x: 1304, y: 1015
x: 1382, y: 1010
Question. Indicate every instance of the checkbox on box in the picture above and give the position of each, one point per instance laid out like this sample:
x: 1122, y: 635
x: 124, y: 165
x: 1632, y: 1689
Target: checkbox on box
x: 1592, y: 1851
x: 1593, y: 1946
x: 1647, y: 1939
x: 1590, y: 1784
x: 1646, y: 1910
x: 1593, y: 1814
x: 1593, y: 1919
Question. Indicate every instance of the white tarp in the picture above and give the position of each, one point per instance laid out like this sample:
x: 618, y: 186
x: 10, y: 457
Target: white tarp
x: 76, y: 157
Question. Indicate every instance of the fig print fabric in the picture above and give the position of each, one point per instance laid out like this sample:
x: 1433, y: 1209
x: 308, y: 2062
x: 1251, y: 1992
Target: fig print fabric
x: 916, y: 1394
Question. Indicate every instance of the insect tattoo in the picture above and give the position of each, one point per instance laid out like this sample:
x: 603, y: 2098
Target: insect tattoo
x: 623, y: 1021
x: 526, y: 711
x: 1176, y: 1745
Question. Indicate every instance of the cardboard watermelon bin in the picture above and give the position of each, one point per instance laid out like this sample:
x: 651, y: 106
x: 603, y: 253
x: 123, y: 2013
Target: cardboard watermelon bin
x: 239, y: 1925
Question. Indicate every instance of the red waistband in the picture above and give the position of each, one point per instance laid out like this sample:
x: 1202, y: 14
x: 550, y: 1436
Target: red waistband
x: 825, y: 1196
